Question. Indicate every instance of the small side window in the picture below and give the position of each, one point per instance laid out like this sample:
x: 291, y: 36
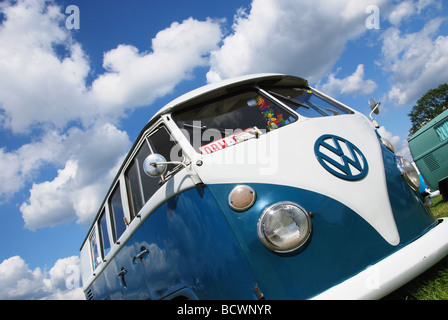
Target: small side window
x: 104, y: 236
x: 117, y: 213
x: 162, y: 143
x: 140, y: 186
x: 442, y: 131
x: 96, y: 260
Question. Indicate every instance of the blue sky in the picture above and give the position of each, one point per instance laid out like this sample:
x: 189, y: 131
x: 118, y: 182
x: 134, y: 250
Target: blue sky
x: 72, y: 101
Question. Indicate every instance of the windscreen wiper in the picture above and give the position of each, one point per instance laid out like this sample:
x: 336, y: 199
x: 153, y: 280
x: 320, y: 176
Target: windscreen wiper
x: 278, y: 95
x: 195, y: 126
x: 204, y: 128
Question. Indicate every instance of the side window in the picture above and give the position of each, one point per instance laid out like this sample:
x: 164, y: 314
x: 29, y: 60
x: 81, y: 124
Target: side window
x: 94, y: 249
x: 104, y: 237
x: 162, y: 143
x: 140, y: 186
x: 442, y: 131
x: 117, y: 214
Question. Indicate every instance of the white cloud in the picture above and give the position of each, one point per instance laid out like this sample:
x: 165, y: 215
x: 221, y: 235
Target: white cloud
x: 353, y: 84
x: 43, y: 86
x: 21, y: 283
x: 23, y: 164
x: 294, y: 37
x: 37, y: 86
x: 48, y: 199
x: 402, y: 11
x: 415, y: 59
x: 92, y: 157
x: 136, y: 79
x: 401, y: 146
x: 406, y: 9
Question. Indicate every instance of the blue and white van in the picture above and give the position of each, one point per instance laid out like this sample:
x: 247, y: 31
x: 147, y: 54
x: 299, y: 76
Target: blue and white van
x: 260, y: 187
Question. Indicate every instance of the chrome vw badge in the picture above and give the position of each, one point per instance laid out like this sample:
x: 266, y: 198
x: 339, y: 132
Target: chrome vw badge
x: 340, y: 157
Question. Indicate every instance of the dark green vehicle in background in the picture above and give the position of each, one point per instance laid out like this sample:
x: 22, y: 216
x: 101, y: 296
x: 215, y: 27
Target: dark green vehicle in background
x: 429, y: 148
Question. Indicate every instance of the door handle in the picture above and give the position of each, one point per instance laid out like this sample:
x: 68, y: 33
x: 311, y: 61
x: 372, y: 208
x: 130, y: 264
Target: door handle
x: 121, y: 274
x: 140, y: 255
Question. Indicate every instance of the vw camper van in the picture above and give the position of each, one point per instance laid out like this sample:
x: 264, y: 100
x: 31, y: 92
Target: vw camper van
x: 429, y: 148
x: 260, y: 187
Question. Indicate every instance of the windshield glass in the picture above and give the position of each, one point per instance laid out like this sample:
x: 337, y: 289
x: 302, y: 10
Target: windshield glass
x: 308, y: 103
x: 231, y: 120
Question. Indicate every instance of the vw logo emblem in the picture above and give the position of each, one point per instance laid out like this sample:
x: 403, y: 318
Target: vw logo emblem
x: 340, y: 157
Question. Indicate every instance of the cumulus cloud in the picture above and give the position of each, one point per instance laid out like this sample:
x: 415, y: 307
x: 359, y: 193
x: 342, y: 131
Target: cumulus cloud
x: 21, y: 165
x: 415, y: 60
x: 38, y: 86
x: 401, y: 146
x: 294, y: 37
x: 19, y: 282
x: 353, y: 84
x: 43, y: 90
x: 406, y: 9
x: 78, y: 189
x: 135, y: 79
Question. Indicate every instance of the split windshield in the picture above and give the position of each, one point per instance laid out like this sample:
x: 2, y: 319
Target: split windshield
x: 308, y: 103
x: 215, y: 125
x: 244, y: 115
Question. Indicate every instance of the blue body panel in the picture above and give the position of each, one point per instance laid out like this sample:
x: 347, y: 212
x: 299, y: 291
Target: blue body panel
x: 411, y: 215
x: 342, y: 244
x: 190, y: 246
x: 196, y: 241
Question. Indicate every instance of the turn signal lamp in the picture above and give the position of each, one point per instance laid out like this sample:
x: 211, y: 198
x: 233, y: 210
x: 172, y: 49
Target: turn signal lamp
x: 242, y: 198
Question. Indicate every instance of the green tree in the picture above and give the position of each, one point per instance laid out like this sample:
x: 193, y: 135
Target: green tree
x: 433, y: 103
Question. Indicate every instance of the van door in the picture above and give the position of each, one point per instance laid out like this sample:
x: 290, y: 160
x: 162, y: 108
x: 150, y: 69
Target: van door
x: 149, y: 249
x: 130, y: 284
x: 123, y: 277
x: 134, y: 257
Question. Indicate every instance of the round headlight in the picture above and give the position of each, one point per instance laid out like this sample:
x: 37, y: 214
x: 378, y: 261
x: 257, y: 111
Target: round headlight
x: 284, y: 227
x: 388, y: 145
x: 408, y: 172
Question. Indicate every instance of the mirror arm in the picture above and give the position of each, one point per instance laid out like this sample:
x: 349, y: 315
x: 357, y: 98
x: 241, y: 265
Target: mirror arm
x: 193, y: 175
x: 155, y: 164
x: 153, y: 161
x: 374, y: 106
x: 375, y: 124
x: 370, y: 115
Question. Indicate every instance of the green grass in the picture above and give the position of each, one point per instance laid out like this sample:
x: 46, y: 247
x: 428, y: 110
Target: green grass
x: 433, y: 284
x: 439, y: 208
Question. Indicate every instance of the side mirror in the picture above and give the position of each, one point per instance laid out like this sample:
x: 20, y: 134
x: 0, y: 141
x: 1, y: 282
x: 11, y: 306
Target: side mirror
x: 155, y: 165
x: 374, y: 106
x: 375, y: 109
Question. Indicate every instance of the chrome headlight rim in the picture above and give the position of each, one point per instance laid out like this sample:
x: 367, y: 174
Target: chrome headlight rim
x: 261, y: 230
x: 408, y: 172
x: 389, y: 146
